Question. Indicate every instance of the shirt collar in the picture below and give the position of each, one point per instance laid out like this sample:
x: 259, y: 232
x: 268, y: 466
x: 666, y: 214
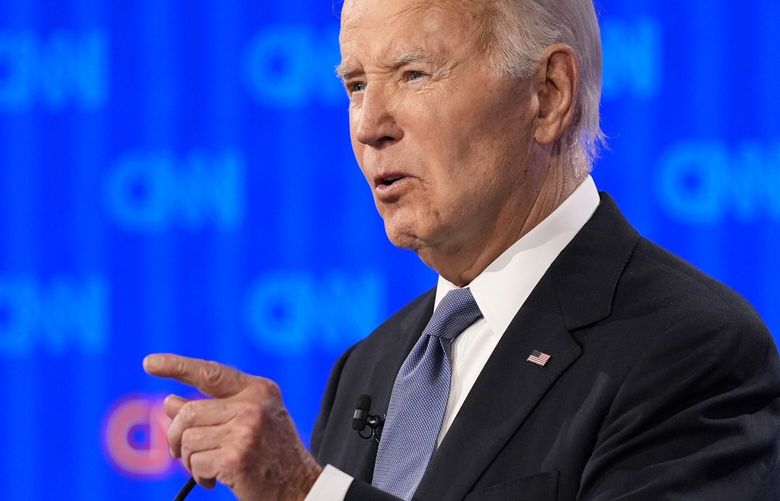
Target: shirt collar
x: 503, y: 287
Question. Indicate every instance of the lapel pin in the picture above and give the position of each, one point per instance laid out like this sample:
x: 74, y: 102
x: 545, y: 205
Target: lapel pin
x: 539, y: 358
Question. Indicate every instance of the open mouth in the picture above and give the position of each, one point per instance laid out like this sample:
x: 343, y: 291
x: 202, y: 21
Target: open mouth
x: 388, y: 181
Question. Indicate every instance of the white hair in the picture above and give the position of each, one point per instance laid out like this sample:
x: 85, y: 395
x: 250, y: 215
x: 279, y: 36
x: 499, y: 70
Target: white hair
x: 523, y: 29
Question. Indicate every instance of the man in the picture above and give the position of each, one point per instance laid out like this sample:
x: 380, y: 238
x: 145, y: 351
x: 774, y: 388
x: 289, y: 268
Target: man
x: 561, y: 356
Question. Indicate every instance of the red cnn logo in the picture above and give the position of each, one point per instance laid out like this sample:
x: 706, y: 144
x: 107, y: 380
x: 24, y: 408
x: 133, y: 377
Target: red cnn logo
x: 135, y: 437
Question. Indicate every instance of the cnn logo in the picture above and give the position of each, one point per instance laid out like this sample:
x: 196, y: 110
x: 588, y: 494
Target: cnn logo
x: 135, y: 437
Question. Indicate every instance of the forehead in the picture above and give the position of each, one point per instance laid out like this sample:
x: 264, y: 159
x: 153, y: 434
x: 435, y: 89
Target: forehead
x: 377, y: 27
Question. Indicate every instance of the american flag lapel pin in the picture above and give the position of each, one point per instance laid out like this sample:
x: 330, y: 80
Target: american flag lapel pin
x: 539, y: 358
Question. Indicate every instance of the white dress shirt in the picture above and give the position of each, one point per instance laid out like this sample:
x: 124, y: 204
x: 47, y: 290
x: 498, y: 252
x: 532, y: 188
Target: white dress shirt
x: 500, y: 291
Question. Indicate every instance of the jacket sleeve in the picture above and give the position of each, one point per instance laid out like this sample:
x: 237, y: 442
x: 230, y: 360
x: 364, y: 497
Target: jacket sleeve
x: 698, y: 418
x: 362, y: 491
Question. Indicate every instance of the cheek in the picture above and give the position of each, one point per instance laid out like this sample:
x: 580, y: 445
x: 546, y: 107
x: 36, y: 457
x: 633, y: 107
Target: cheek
x: 451, y: 132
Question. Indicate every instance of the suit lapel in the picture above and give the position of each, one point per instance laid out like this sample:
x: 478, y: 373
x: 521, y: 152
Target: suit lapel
x: 576, y: 291
x: 505, y: 393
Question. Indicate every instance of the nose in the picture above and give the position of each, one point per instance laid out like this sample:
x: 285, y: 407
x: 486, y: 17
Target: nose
x: 376, y: 124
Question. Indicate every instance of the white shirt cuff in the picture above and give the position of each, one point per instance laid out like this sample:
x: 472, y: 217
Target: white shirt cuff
x: 331, y: 485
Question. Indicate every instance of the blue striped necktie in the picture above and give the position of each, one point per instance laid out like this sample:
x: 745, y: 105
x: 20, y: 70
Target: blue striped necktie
x: 419, y: 398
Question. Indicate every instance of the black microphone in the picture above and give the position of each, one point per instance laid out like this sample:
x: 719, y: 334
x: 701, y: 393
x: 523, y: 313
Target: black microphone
x: 361, y: 418
x: 361, y: 412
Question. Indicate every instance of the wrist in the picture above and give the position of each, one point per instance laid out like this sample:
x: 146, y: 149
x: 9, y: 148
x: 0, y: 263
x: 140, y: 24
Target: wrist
x: 303, y: 482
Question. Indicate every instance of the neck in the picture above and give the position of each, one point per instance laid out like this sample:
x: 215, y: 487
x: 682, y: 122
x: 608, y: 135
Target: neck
x: 463, y: 262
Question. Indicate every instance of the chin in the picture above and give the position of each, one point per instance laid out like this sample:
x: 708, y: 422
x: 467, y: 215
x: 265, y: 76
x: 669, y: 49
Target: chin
x: 407, y: 227
x: 403, y: 237
x: 403, y: 240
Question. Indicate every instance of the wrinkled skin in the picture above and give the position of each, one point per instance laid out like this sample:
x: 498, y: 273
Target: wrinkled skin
x: 243, y: 437
x: 474, y: 149
x: 462, y: 162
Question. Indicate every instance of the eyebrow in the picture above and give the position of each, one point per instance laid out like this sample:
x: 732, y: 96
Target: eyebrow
x: 414, y: 56
x: 345, y: 73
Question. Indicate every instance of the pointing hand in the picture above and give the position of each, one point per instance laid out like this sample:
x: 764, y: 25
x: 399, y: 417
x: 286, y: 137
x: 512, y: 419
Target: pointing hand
x: 243, y: 437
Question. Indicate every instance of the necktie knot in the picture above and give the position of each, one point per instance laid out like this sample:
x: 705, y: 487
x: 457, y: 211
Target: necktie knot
x: 454, y: 314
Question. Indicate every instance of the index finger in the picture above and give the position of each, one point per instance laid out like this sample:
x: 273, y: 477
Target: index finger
x: 211, y: 378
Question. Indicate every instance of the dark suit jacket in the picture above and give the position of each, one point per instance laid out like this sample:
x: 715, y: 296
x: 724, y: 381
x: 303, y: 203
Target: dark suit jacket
x: 663, y: 384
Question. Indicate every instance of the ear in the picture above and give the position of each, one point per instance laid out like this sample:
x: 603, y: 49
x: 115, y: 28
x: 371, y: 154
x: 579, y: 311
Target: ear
x: 557, y: 84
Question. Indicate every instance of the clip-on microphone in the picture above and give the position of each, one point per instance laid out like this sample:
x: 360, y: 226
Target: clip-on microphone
x: 362, y: 419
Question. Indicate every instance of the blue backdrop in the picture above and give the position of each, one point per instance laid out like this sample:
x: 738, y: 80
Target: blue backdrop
x: 177, y: 176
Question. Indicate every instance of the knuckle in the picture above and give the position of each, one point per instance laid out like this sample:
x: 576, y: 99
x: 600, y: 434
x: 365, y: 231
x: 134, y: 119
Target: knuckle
x: 197, y: 464
x: 178, y: 366
x: 272, y: 389
x: 187, y: 413
x: 265, y: 389
x: 248, y: 433
x: 211, y: 373
x: 252, y: 416
x: 188, y: 437
x: 232, y: 460
x: 173, y: 435
x: 173, y: 441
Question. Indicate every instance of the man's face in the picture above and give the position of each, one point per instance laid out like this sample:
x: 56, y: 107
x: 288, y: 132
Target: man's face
x: 442, y: 139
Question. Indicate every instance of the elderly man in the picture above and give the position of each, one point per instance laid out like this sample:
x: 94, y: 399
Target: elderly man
x: 561, y: 356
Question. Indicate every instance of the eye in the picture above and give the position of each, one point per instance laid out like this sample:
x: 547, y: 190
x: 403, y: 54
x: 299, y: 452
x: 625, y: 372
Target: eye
x: 413, y: 75
x: 353, y: 87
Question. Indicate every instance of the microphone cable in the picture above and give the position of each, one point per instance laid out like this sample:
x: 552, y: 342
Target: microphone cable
x: 185, y: 490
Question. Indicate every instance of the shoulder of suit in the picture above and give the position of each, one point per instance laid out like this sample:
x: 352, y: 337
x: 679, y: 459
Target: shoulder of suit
x: 655, y: 280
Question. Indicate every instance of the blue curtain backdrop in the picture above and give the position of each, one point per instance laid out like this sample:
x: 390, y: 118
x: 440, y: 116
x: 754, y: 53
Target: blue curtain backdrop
x: 177, y: 176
